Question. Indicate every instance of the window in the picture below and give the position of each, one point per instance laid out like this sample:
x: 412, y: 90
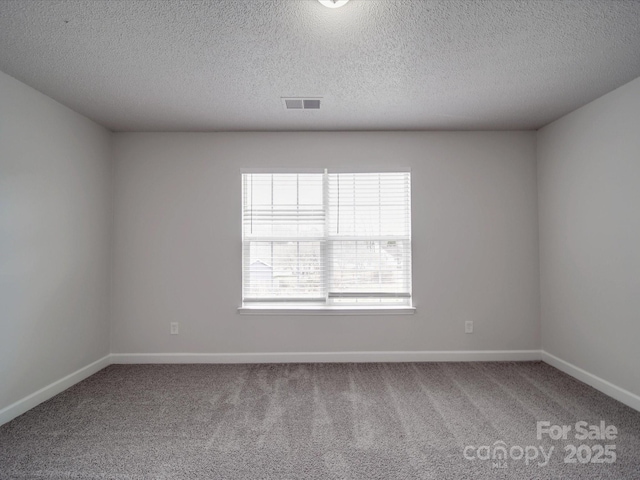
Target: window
x: 326, y: 240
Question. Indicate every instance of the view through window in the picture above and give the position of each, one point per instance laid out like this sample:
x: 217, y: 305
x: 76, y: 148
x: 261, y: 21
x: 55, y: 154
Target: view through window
x: 325, y: 238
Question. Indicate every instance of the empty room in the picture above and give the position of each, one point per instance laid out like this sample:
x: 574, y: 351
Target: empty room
x: 319, y: 239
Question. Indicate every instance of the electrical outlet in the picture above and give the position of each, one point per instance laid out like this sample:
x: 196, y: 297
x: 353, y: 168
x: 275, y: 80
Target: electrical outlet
x: 468, y: 326
x: 174, y: 328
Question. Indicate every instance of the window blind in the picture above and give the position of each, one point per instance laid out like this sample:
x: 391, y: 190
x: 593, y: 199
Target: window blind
x: 369, y: 251
x: 326, y: 237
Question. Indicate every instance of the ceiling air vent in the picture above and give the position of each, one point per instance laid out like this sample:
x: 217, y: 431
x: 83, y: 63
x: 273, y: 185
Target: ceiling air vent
x: 300, y: 103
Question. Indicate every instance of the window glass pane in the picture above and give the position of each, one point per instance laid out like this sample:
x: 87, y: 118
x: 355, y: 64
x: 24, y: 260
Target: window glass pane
x: 369, y: 204
x: 283, y: 270
x: 272, y: 208
x: 370, y: 266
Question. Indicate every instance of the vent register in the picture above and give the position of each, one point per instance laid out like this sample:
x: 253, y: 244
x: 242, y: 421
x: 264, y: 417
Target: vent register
x: 301, y: 103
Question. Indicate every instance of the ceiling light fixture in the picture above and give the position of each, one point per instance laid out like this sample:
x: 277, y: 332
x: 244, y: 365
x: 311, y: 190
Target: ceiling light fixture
x: 333, y: 3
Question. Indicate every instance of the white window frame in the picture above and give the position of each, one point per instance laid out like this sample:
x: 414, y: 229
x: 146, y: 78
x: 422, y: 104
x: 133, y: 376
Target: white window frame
x: 323, y: 305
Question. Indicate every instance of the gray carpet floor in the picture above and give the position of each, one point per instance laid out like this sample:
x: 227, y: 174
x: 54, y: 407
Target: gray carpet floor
x: 318, y: 421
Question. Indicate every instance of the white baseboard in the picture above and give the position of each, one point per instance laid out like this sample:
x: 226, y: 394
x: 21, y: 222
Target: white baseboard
x: 330, y: 357
x: 30, y: 401
x: 630, y: 399
x: 27, y: 403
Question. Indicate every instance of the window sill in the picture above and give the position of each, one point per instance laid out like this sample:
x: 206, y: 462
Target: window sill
x: 315, y: 310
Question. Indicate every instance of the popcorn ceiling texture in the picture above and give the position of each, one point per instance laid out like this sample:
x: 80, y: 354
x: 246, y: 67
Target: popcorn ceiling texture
x: 372, y: 421
x: 379, y: 64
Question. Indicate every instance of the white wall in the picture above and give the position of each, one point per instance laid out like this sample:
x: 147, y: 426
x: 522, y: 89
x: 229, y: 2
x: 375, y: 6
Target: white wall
x: 178, y: 244
x: 55, y: 193
x: 589, y: 207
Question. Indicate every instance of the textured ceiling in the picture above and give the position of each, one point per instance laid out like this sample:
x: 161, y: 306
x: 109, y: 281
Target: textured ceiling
x: 379, y: 64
